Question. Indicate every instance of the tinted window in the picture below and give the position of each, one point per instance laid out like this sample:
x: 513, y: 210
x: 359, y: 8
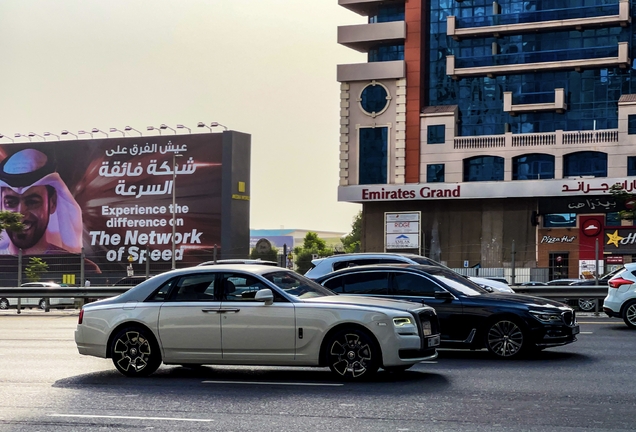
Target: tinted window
x: 240, y: 287
x: 408, y: 284
x: 335, y: 284
x: 456, y: 281
x: 296, y: 285
x: 162, y: 293
x: 367, y: 283
x: 196, y: 288
x: 358, y: 262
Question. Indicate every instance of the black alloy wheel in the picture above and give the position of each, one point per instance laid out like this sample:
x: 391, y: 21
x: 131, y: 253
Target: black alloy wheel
x: 505, y: 338
x: 352, y: 354
x: 135, y: 352
x: 629, y: 314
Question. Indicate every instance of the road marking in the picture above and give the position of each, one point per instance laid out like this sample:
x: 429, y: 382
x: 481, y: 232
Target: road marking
x: 429, y: 362
x: 273, y: 383
x: 586, y: 333
x: 596, y: 322
x: 130, y: 417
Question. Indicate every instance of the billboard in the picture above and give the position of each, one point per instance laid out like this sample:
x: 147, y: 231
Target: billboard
x: 114, y: 198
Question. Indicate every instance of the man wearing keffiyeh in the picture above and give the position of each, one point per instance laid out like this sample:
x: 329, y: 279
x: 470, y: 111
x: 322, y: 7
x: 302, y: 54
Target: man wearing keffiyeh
x: 52, y: 218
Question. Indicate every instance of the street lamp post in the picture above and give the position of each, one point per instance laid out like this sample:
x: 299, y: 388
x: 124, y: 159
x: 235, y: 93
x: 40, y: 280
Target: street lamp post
x: 174, y: 205
x: 128, y: 129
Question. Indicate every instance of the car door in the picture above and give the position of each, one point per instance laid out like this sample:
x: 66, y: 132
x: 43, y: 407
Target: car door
x: 189, y: 320
x: 252, y: 331
x: 364, y: 282
x: 450, y: 310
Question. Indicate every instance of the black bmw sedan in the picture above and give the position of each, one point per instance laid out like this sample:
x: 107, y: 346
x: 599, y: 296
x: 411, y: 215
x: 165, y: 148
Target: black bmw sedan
x: 508, y: 325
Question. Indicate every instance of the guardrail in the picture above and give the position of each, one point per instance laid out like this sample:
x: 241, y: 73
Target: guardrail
x: 83, y: 293
x: 555, y: 292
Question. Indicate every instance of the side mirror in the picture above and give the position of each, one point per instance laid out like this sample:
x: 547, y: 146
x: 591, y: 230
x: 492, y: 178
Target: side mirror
x: 265, y: 295
x: 443, y: 295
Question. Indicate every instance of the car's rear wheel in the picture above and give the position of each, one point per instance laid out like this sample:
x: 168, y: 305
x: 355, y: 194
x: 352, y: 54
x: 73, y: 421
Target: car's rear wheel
x: 352, y: 354
x: 135, y: 352
x: 629, y: 314
x: 4, y: 303
x: 505, y: 338
x: 587, y: 304
x: 42, y: 304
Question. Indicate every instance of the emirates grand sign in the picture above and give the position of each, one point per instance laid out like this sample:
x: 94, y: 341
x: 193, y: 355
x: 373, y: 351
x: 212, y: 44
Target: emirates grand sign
x: 496, y: 189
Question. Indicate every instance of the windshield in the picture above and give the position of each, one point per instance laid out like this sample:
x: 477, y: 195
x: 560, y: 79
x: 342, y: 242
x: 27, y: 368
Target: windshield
x: 296, y: 285
x: 456, y: 281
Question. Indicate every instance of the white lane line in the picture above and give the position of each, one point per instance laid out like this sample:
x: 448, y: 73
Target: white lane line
x: 587, y: 333
x: 273, y: 383
x: 130, y: 417
x: 429, y: 362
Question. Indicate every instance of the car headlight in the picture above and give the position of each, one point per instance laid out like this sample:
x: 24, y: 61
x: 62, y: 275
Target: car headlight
x: 547, y: 317
x: 402, y: 321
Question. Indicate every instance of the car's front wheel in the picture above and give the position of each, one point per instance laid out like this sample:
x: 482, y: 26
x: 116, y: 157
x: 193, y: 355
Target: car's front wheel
x: 135, y: 352
x: 629, y: 314
x: 4, y: 304
x: 505, y: 338
x: 42, y: 304
x: 352, y: 354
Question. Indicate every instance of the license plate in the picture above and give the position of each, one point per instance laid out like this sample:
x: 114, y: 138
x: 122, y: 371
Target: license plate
x: 434, y: 341
x: 575, y: 330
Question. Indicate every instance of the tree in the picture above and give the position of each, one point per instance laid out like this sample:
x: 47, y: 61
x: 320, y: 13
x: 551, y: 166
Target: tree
x: 11, y: 221
x: 35, y: 269
x: 312, y: 245
x: 351, y: 241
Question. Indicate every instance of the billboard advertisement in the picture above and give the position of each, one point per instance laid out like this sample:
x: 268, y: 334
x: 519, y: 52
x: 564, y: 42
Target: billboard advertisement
x: 113, y: 198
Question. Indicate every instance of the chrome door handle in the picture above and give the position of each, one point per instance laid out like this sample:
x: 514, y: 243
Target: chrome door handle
x: 228, y: 310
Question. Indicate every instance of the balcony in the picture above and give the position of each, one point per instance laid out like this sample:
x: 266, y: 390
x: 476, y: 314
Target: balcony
x: 508, y: 64
x: 364, y: 36
x: 534, y: 102
x: 548, y: 139
x: 371, y: 71
x: 540, y: 21
x: 361, y: 7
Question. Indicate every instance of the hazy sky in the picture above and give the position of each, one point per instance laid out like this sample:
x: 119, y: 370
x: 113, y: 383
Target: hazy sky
x: 264, y: 67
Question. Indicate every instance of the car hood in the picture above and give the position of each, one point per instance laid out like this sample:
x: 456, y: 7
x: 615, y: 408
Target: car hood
x: 522, y: 299
x: 366, y: 301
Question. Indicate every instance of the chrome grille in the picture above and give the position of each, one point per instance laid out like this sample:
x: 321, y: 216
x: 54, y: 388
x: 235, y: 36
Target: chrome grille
x: 569, y: 318
x: 429, y: 316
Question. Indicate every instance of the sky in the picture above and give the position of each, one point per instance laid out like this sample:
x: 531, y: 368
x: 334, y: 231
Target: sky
x: 263, y: 67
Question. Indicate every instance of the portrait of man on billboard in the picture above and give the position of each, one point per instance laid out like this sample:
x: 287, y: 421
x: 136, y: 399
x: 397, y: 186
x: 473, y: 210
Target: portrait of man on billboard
x: 30, y: 185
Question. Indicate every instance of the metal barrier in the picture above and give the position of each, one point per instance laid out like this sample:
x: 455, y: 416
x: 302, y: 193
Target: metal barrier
x: 567, y: 292
x: 83, y: 293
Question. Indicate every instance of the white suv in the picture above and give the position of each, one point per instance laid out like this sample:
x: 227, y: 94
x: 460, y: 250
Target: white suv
x: 621, y: 295
x: 322, y: 266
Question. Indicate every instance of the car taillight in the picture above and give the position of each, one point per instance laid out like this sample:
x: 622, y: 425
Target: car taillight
x: 81, y: 316
x: 618, y: 282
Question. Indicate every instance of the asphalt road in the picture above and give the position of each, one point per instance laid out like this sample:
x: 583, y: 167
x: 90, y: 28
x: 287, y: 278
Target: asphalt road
x: 45, y: 385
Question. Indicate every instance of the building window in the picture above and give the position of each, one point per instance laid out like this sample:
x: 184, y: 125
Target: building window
x: 631, y: 124
x: 435, y: 173
x: 585, y: 163
x: 483, y: 168
x: 372, y: 166
x: 613, y: 219
x: 559, y: 220
x: 384, y: 53
x: 374, y: 99
x: 631, y: 165
x: 533, y: 167
x: 388, y: 13
x: 436, y: 134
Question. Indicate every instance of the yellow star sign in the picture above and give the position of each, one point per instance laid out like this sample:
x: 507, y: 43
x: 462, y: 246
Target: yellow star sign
x: 614, y: 238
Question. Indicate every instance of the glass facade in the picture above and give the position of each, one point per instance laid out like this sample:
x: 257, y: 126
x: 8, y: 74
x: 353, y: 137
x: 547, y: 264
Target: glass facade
x: 631, y: 124
x: 533, y: 167
x: 373, y: 155
x: 483, y: 168
x: 388, y: 13
x: 585, y: 163
x: 383, y: 53
x: 591, y: 94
